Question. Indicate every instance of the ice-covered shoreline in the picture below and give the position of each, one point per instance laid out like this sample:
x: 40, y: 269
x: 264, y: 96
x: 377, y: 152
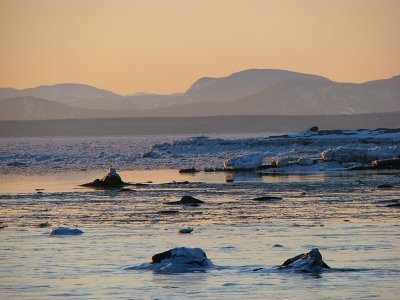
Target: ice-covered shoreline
x: 340, y: 148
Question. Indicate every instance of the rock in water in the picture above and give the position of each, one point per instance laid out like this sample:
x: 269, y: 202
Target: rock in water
x: 186, y: 200
x: 110, y: 180
x: 177, y: 260
x: 186, y: 230
x: 66, y: 231
x: 306, y: 262
x: 267, y: 198
x: 385, y: 186
x: 189, y: 170
x: 190, y: 200
x: 44, y: 224
x: 387, y: 163
x: 313, y: 129
x: 182, y: 255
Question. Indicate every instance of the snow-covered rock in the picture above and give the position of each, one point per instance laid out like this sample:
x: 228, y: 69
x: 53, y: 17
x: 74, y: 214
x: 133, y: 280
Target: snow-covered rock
x: 307, y: 262
x: 180, y: 259
x: 244, y: 162
x: 110, y: 180
x: 182, y: 255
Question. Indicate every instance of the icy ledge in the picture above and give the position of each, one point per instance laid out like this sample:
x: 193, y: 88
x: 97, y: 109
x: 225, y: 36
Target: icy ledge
x: 341, y: 148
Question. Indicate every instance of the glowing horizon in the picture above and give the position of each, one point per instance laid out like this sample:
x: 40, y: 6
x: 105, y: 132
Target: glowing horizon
x: 164, y: 46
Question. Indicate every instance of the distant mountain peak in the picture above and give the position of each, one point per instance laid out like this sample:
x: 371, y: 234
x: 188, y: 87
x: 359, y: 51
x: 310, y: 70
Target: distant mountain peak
x: 239, y: 84
x: 251, y: 91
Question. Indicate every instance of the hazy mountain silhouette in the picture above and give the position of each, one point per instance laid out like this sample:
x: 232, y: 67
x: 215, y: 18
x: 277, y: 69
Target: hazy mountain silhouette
x: 315, y: 96
x: 301, y: 96
x: 31, y: 108
x: 238, y: 85
x: 392, y: 85
x: 249, y: 92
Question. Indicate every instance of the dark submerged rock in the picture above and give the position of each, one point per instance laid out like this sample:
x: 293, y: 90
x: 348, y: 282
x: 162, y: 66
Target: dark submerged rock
x: 268, y: 166
x: 189, y: 170
x: 266, y: 198
x: 43, y: 225
x: 126, y: 190
x: 308, y: 262
x: 394, y: 205
x: 186, y: 200
x: 168, y: 212
x: 283, y: 136
x: 16, y: 164
x: 66, y: 231
x: 385, y: 186
x: 186, y: 230
x: 380, y: 164
x: 393, y: 163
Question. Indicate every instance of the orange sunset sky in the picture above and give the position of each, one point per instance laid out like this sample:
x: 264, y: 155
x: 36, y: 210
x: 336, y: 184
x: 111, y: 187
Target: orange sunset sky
x: 163, y: 46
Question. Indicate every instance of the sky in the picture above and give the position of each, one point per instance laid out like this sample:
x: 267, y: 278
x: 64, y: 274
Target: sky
x: 163, y: 46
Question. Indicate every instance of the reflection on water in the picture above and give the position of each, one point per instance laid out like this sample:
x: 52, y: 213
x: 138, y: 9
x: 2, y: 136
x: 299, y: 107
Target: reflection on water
x: 317, y: 197
x: 70, y: 181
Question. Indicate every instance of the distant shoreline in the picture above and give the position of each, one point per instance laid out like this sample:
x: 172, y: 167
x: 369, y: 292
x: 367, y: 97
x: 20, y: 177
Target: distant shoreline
x: 193, y: 125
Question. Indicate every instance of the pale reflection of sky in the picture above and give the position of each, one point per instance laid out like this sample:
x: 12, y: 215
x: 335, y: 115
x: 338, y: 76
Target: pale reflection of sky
x: 70, y: 180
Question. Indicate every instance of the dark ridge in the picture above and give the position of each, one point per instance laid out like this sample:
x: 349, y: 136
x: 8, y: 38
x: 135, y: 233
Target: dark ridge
x: 194, y: 125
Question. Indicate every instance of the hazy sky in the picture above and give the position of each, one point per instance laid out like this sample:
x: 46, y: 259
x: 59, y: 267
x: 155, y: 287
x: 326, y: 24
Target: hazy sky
x: 165, y: 45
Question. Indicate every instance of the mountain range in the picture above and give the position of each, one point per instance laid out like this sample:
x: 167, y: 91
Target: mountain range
x: 249, y: 92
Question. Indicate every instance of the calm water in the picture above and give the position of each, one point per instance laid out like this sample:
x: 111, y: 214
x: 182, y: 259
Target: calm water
x: 344, y: 214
